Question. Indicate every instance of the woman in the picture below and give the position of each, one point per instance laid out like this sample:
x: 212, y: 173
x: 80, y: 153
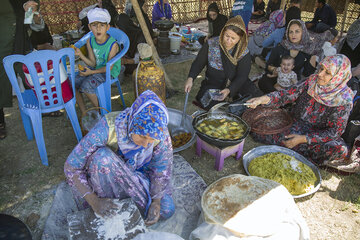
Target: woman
x: 161, y: 11
x: 275, y: 21
x: 216, y: 22
x: 322, y: 106
x: 298, y: 45
x: 351, y: 46
x: 140, y: 167
x: 226, y: 58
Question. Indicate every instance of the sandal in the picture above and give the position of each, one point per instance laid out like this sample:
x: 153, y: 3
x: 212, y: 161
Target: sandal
x: 53, y: 114
x: 2, y: 131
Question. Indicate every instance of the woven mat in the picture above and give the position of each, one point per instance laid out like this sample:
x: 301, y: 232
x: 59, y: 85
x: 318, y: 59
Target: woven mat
x: 188, y: 187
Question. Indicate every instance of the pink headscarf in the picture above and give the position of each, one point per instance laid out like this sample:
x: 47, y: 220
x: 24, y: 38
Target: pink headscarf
x: 336, y: 92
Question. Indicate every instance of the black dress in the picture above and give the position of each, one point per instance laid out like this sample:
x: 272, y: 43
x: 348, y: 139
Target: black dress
x: 302, y: 67
x: 217, y: 79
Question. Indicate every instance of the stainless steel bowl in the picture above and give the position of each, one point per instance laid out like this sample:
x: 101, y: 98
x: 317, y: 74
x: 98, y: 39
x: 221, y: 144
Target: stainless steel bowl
x: 175, y: 120
x: 259, y: 151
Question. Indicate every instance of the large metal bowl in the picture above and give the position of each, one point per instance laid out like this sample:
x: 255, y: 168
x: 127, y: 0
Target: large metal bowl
x: 262, y: 150
x: 175, y: 120
x: 217, y: 141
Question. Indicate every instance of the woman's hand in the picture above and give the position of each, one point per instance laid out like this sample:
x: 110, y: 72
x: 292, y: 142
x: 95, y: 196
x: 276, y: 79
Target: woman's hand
x: 30, y: 4
x: 104, y: 207
x: 225, y: 92
x: 313, y: 60
x: 78, y: 52
x: 254, y: 102
x: 153, y: 213
x: 294, y: 140
x: 188, y: 84
x: 86, y: 72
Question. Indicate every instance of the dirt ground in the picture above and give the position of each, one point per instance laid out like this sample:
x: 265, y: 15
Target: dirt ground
x: 27, y: 187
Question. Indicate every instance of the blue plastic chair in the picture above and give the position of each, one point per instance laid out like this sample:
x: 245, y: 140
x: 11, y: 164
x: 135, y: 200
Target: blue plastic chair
x: 32, y: 106
x: 103, y: 91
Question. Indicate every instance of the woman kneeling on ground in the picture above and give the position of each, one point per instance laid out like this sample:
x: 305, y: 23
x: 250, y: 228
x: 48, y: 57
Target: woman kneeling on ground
x: 322, y: 107
x: 140, y: 167
x: 226, y: 58
x: 298, y: 45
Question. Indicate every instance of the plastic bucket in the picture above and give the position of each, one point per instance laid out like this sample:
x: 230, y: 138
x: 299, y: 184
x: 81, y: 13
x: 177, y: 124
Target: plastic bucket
x: 175, y: 40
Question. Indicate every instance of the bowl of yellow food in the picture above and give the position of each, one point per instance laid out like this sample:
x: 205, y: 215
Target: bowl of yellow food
x: 285, y: 166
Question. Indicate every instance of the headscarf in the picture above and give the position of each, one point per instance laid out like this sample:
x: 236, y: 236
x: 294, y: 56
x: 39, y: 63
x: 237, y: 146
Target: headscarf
x: 336, y: 92
x: 353, y: 34
x: 292, y: 13
x: 305, y: 45
x: 241, y: 46
x: 276, y: 20
x: 215, y: 26
x: 319, y: 39
x: 147, y: 116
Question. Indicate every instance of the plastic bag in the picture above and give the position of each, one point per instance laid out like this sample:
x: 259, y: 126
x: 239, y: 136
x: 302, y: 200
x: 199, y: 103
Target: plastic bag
x: 211, y: 94
x: 90, y: 119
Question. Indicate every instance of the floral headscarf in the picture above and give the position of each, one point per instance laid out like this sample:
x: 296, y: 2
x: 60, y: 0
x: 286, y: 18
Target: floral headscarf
x: 336, y: 92
x: 276, y: 20
x: 147, y: 116
x: 241, y: 47
x: 305, y: 45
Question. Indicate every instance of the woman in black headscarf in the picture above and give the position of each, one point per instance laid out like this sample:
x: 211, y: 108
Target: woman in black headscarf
x: 216, y: 22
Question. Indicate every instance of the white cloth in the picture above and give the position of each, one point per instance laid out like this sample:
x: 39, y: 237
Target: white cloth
x: 272, y: 216
x: 84, y: 11
x: 98, y: 15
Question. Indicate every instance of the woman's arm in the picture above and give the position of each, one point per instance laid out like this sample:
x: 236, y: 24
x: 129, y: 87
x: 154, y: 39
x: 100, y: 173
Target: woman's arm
x: 288, y: 95
x: 200, y: 61
x: 336, y: 125
x: 274, y: 58
x: 159, y: 169
x: 157, y: 13
x: 242, y: 74
x: 75, y: 165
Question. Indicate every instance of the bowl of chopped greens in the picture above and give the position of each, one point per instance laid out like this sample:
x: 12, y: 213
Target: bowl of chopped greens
x: 285, y: 166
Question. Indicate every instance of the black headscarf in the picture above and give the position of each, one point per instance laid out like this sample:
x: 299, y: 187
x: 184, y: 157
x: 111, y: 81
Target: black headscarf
x: 219, y: 22
x: 292, y: 13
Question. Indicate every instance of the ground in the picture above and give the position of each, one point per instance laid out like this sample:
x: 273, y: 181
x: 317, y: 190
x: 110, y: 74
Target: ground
x: 27, y: 186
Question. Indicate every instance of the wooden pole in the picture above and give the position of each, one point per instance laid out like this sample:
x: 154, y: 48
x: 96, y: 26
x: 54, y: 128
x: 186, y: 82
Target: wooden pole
x: 282, y: 4
x: 149, y: 40
x: 344, y: 18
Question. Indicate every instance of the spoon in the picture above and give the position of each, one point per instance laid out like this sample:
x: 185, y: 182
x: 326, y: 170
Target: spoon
x: 181, y: 129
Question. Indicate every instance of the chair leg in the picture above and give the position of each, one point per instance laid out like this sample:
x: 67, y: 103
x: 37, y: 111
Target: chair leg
x: 100, y: 93
x: 39, y: 136
x: 121, y: 94
x: 71, y: 113
x: 27, y: 125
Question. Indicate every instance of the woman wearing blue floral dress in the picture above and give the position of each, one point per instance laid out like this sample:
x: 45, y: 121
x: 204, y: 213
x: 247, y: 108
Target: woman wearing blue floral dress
x: 322, y: 105
x: 126, y: 154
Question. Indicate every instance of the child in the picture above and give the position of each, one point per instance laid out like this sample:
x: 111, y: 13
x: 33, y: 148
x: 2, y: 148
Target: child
x: 101, y: 48
x: 286, y: 77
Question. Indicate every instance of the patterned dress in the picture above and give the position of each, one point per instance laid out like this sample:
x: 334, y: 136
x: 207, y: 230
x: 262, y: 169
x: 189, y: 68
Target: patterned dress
x: 322, y: 125
x: 108, y: 163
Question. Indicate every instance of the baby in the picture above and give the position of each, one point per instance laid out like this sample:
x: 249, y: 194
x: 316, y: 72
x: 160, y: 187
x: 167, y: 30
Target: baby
x: 286, y: 75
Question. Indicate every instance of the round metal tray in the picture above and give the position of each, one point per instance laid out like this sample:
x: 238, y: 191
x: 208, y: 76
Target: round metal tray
x: 259, y: 151
x: 175, y: 120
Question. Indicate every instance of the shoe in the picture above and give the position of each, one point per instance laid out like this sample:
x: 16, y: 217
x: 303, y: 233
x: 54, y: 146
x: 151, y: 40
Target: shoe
x: 260, y: 62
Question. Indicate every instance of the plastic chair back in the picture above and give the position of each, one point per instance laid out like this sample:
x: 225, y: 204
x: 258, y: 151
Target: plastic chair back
x: 46, y: 95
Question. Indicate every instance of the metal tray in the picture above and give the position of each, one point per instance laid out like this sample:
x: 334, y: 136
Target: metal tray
x: 259, y: 151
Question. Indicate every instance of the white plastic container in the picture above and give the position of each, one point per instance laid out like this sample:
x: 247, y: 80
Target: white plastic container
x: 175, y: 40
